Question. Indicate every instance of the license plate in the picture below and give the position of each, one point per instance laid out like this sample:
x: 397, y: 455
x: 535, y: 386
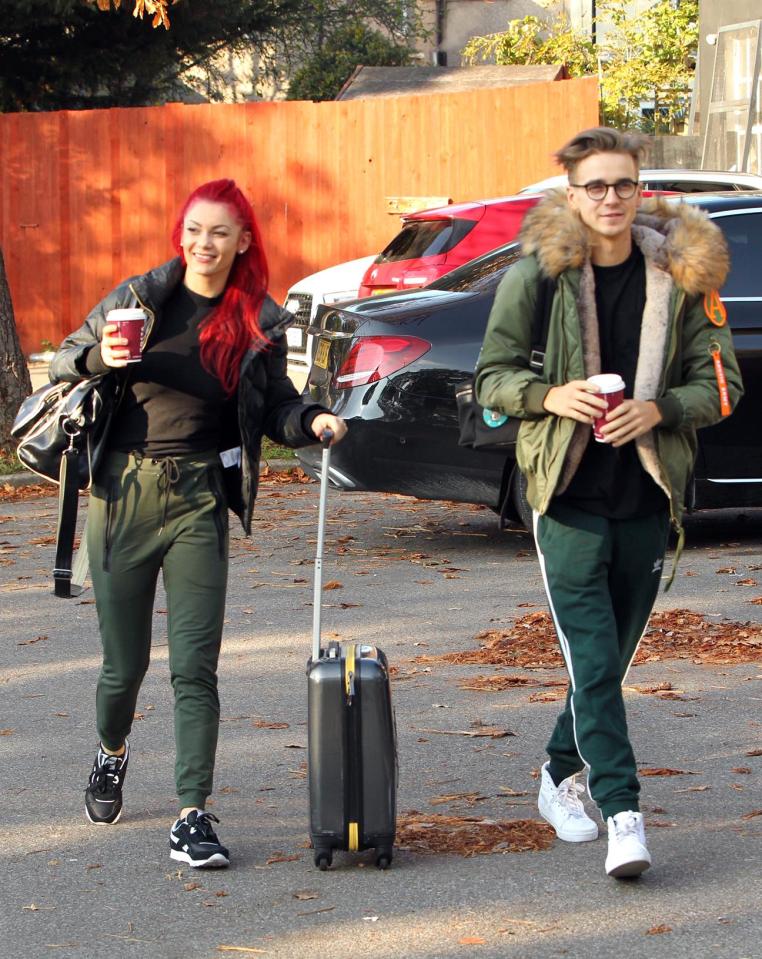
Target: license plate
x: 321, y: 353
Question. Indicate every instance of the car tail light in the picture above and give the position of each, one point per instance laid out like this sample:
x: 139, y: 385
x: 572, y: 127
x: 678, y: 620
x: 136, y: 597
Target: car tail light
x: 372, y: 358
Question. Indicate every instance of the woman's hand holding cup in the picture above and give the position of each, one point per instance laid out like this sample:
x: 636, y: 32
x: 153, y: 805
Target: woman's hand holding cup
x: 114, y: 349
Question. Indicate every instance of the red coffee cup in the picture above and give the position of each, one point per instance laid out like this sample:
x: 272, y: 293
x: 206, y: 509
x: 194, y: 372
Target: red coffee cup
x: 611, y: 386
x: 130, y: 324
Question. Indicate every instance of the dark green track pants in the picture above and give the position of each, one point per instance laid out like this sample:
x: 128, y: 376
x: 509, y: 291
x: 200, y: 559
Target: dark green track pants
x: 169, y: 515
x: 601, y: 577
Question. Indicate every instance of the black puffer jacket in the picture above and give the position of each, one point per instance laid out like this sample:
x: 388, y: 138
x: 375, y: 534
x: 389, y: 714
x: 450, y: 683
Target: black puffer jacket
x: 267, y: 400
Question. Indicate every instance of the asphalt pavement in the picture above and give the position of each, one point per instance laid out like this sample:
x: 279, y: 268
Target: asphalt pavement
x: 417, y: 579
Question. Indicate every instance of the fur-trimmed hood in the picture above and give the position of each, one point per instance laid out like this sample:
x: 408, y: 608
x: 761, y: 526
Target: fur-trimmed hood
x: 676, y: 237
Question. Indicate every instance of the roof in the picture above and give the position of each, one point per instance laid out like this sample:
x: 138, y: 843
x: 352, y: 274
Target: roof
x: 401, y: 81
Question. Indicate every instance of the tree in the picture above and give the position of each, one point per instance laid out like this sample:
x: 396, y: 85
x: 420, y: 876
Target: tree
x: 15, y: 383
x: 328, y: 69
x: 533, y: 41
x: 158, y: 10
x: 71, y: 55
x: 645, y: 62
x: 320, y: 28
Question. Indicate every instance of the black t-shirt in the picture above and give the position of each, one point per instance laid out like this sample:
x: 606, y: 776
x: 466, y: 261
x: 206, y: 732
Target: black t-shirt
x: 172, y: 405
x: 612, y: 482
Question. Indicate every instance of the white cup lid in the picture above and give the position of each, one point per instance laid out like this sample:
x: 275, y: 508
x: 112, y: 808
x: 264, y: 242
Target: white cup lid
x: 607, y: 382
x: 127, y: 313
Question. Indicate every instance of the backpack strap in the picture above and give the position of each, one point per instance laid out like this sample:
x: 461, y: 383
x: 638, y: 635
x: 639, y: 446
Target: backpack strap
x: 546, y: 292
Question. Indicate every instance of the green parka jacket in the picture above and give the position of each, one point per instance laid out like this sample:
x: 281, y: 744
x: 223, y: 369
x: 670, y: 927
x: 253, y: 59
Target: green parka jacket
x: 686, y: 257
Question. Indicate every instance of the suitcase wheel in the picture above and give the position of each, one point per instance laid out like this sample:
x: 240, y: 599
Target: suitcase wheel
x: 323, y: 859
x: 383, y: 858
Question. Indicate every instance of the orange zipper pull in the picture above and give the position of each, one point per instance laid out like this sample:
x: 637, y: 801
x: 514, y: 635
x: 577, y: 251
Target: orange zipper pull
x: 722, y: 382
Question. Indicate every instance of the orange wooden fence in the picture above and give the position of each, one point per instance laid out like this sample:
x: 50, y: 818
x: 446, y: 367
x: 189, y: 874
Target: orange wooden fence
x: 88, y: 198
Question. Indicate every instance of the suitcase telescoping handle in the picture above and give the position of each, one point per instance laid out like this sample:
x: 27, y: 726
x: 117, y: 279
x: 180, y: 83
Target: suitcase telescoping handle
x: 325, y: 439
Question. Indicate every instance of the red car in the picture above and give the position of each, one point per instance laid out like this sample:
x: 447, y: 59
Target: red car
x: 433, y: 242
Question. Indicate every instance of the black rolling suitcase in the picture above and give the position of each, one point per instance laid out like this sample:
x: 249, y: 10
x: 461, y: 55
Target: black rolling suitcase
x: 351, y: 740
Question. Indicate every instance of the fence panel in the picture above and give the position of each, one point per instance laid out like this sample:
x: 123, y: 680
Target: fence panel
x: 88, y: 198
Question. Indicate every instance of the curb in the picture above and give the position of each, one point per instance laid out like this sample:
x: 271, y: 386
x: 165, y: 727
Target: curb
x: 27, y: 478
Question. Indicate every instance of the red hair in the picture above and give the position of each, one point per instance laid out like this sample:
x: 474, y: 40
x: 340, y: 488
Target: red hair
x: 231, y: 328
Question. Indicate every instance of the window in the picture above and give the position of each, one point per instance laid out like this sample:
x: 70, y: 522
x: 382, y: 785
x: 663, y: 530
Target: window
x: 744, y: 235
x: 425, y: 238
x: 479, y: 274
x: 733, y: 136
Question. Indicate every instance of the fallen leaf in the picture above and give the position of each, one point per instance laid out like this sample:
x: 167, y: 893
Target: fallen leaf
x: 251, y: 949
x: 728, y: 569
x: 658, y: 930
x: 741, y: 770
x: 190, y: 886
x: 281, y: 857
x: 664, y: 771
x: 333, y: 584
x: 752, y: 815
x: 472, y: 941
x: 31, y: 642
x: 489, y: 732
x: 304, y: 894
x: 746, y: 582
x: 749, y: 752
x: 7, y: 732
x: 263, y: 724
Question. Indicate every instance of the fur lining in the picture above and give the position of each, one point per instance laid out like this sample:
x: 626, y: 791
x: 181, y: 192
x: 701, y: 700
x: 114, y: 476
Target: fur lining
x: 685, y: 243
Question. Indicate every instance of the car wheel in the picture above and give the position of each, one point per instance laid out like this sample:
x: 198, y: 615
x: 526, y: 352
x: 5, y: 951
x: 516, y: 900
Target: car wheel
x: 519, y: 496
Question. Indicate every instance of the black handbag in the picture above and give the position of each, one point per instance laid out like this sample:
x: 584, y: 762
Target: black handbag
x: 484, y: 429
x: 62, y: 430
x: 65, y: 416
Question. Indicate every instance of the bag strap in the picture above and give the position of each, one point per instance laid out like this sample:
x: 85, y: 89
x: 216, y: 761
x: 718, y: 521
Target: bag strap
x: 546, y: 292
x: 68, y: 501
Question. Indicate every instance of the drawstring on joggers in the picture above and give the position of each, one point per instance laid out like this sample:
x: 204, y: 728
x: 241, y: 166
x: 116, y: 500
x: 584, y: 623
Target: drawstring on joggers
x: 168, y: 477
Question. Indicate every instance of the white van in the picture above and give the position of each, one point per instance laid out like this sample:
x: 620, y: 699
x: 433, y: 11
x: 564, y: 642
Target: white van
x: 332, y: 285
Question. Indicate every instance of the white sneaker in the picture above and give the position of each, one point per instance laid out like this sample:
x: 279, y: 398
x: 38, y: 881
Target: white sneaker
x: 628, y: 855
x: 561, y: 807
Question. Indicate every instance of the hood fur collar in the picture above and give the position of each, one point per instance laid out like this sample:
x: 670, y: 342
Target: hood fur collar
x: 677, y: 238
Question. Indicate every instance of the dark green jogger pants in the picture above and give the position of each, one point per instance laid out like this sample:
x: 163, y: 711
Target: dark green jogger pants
x: 601, y: 577
x: 144, y: 516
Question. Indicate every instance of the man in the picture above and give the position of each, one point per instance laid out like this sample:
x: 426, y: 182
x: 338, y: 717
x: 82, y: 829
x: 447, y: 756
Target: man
x: 631, y: 286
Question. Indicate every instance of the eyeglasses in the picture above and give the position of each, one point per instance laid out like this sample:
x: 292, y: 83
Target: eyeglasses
x: 598, y: 190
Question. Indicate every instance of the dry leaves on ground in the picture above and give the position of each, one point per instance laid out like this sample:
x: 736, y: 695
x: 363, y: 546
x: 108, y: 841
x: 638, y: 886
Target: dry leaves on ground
x: 470, y: 835
x: 494, y: 684
x: 673, y: 634
x: 663, y: 771
x: 15, y: 494
x: 658, y: 930
x: 294, y: 475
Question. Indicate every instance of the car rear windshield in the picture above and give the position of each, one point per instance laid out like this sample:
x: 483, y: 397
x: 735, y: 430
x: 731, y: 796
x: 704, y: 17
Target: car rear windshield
x: 479, y: 274
x: 425, y: 238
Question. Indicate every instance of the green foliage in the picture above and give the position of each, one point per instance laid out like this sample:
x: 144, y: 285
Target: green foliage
x: 8, y: 461
x: 643, y: 59
x: 68, y: 54
x: 532, y: 41
x: 650, y: 57
x: 378, y: 31
x: 328, y: 69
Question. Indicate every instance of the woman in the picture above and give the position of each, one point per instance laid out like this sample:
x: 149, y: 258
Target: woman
x: 184, y: 444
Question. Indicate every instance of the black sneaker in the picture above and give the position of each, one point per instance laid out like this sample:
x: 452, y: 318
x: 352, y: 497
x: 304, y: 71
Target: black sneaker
x: 193, y: 840
x: 103, y: 796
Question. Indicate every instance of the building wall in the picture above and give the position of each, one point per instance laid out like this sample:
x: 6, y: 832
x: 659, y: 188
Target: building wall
x: 714, y: 14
